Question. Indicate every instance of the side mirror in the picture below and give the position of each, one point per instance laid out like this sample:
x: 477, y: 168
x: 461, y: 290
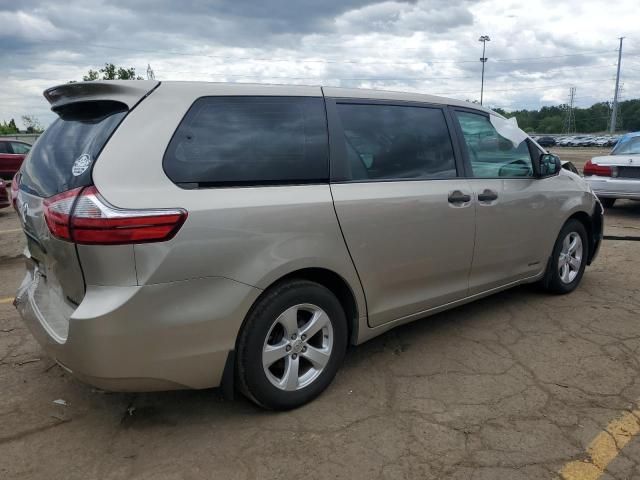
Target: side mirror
x: 548, y: 165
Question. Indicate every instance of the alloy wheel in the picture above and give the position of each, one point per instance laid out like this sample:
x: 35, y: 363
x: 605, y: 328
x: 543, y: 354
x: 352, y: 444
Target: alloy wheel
x: 298, y: 347
x: 570, y: 259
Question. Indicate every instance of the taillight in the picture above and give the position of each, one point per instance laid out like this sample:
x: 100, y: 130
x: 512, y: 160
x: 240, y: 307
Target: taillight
x: 15, y: 186
x: 591, y: 168
x: 84, y: 217
x: 57, y: 213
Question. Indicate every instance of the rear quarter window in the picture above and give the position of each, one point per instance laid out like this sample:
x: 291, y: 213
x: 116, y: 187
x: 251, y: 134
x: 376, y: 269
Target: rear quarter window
x: 237, y: 141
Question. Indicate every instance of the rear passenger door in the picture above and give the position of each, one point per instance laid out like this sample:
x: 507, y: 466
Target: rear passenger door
x: 407, y: 217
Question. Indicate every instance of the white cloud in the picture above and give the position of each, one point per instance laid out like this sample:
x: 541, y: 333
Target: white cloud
x: 538, y: 49
x: 403, y: 19
x: 29, y: 27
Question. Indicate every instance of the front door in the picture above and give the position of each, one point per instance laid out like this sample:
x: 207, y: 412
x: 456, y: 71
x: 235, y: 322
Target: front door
x: 513, y: 206
x: 406, y: 216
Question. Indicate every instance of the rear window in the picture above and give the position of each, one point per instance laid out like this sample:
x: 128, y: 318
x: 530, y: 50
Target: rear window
x: 236, y: 141
x: 63, y: 157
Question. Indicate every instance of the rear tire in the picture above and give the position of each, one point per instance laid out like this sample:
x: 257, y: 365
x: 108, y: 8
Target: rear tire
x: 607, y: 202
x: 568, y: 260
x: 291, y: 345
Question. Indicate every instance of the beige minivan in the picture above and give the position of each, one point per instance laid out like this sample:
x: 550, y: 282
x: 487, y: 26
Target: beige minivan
x: 194, y: 235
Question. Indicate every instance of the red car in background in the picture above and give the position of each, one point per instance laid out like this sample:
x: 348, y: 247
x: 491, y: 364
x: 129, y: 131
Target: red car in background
x: 4, y: 194
x: 12, y: 153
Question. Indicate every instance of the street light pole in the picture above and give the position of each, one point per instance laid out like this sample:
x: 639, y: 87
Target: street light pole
x: 614, y: 110
x: 484, y: 39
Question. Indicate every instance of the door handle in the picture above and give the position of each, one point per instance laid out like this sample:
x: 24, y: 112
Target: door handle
x: 487, y: 196
x: 458, y: 197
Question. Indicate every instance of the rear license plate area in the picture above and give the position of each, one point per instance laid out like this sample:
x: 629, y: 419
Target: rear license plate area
x: 629, y: 172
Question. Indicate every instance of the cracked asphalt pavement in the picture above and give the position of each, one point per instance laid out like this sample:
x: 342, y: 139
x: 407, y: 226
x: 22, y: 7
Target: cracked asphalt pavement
x: 514, y: 386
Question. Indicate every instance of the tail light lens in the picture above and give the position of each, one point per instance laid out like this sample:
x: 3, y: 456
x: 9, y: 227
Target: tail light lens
x: 591, y: 168
x: 15, y: 186
x: 83, y: 216
x: 57, y: 213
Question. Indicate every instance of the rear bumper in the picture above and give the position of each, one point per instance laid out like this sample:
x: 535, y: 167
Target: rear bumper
x: 143, y: 338
x: 606, y: 187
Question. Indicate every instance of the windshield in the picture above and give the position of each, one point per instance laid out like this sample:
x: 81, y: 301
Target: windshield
x: 627, y: 146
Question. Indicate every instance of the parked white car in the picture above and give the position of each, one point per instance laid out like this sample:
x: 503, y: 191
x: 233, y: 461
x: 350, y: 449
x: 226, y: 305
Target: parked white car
x: 616, y: 175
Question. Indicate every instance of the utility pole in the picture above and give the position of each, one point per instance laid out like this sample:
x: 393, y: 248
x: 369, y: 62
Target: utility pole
x: 150, y: 74
x: 614, y: 110
x: 570, y: 119
x: 618, y: 124
x: 484, y: 39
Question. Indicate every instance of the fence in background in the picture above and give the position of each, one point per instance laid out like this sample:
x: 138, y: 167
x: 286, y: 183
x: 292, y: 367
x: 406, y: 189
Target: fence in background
x: 29, y: 138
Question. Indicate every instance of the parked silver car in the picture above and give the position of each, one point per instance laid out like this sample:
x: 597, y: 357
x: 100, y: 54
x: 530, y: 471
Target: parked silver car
x: 193, y: 235
x: 616, y: 175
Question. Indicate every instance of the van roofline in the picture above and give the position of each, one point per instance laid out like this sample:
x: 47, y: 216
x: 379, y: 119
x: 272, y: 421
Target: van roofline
x: 131, y: 91
x: 374, y: 94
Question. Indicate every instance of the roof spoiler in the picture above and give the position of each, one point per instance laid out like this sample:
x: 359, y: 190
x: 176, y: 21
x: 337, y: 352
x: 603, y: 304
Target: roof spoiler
x: 128, y: 92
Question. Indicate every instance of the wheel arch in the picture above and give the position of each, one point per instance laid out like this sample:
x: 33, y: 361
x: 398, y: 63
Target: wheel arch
x: 335, y: 283
x: 594, y: 230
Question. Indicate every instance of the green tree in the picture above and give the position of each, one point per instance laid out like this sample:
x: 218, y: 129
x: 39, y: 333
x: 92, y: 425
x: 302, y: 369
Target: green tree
x: 32, y: 124
x: 91, y: 75
x: 8, y: 128
x: 593, y: 119
x: 630, y: 114
x: 550, y: 125
x: 111, y: 72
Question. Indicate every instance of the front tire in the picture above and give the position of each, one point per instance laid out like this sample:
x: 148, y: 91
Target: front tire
x: 291, y: 345
x: 569, y: 258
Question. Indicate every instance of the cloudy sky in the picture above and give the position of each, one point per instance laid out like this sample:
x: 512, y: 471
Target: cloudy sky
x: 538, y: 48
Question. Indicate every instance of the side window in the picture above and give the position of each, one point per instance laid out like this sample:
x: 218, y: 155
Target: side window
x: 20, y: 148
x: 386, y: 142
x: 226, y: 141
x: 492, y: 155
x: 4, y: 147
